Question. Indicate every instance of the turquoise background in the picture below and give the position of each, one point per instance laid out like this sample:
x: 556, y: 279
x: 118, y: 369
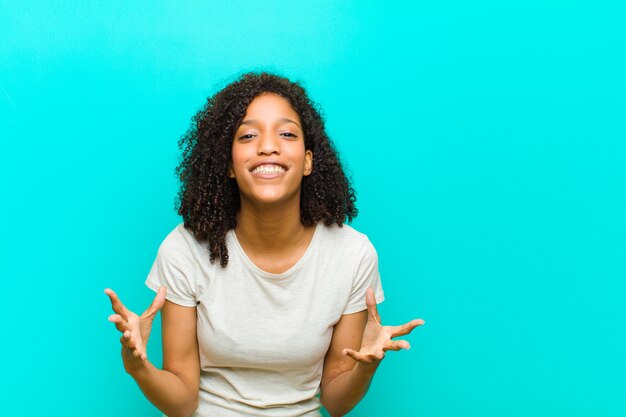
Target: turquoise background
x: 486, y: 141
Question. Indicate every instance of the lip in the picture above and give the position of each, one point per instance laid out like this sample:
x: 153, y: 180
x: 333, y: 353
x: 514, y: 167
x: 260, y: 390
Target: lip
x: 269, y: 162
x: 268, y: 176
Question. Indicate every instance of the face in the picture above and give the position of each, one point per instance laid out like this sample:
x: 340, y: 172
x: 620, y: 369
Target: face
x: 269, y: 158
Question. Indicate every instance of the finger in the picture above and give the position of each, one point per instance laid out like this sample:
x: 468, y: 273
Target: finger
x: 116, y: 304
x: 370, y: 301
x: 157, y: 303
x: 405, y: 328
x: 136, y: 354
x: 353, y: 354
x: 125, y: 339
x: 364, y: 358
x: 128, y: 351
x: 128, y: 342
x: 397, y: 345
x: 120, y: 324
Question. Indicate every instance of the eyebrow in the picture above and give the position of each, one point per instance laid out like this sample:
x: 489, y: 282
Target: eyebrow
x: 281, y: 120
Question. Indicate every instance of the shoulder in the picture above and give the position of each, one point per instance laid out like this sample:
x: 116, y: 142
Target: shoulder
x: 180, y: 242
x: 176, y: 267
x: 344, y: 232
x: 345, y: 238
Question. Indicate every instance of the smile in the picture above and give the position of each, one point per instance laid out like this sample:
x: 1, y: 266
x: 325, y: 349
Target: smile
x: 268, y: 169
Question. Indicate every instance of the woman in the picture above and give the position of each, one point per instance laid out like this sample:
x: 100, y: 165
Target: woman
x: 267, y: 299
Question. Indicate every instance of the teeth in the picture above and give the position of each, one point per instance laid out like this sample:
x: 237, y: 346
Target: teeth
x: 268, y: 169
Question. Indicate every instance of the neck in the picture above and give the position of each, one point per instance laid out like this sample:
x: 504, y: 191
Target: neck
x: 269, y: 228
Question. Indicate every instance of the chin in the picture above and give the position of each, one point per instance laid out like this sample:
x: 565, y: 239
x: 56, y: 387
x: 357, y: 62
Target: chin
x: 273, y: 197
x: 270, y: 199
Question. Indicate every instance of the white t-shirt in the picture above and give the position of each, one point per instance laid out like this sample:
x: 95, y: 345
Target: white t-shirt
x: 263, y: 336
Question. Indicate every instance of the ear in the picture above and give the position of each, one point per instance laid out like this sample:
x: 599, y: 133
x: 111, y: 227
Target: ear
x: 308, y: 163
x: 231, y: 172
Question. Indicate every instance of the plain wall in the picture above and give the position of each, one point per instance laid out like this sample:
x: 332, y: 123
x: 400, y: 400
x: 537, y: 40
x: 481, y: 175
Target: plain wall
x: 487, y: 145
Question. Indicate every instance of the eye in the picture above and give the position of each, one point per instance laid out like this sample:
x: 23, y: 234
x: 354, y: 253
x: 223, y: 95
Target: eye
x: 247, y: 136
x: 289, y: 135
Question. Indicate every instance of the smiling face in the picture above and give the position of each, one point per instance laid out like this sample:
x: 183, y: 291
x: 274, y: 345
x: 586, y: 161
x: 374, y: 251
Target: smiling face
x: 269, y: 158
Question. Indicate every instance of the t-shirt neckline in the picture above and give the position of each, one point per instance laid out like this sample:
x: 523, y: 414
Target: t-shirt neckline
x: 307, y: 253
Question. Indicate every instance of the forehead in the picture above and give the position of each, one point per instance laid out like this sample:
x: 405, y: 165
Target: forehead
x: 270, y: 106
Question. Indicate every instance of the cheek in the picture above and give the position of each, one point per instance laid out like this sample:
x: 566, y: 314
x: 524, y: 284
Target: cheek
x: 296, y: 154
x: 238, y: 158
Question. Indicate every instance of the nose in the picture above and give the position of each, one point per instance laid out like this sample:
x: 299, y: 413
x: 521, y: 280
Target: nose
x: 268, y: 144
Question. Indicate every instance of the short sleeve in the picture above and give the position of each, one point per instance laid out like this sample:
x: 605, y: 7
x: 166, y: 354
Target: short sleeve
x: 173, y: 268
x: 366, y: 276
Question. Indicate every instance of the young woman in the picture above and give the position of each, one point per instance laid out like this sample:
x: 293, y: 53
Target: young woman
x: 267, y: 299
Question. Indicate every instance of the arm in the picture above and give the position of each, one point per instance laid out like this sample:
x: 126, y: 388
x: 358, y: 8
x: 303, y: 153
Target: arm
x: 344, y: 381
x: 174, y: 389
x: 347, y: 371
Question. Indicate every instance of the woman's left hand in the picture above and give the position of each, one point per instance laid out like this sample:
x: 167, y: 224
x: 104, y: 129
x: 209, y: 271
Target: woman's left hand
x: 377, y: 338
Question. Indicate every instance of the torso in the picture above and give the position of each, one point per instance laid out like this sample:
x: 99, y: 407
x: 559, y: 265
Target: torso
x: 262, y: 336
x: 278, y: 261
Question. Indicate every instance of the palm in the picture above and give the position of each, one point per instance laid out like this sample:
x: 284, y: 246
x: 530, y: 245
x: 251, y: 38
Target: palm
x: 135, y: 329
x: 377, y: 339
x: 375, y: 335
x: 140, y: 331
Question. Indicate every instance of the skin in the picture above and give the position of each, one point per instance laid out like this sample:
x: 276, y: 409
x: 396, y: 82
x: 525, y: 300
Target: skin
x: 268, y: 226
x: 272, y: 235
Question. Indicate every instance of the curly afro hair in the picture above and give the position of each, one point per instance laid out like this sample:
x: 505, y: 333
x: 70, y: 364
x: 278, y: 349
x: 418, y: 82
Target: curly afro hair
x: 209, y: 200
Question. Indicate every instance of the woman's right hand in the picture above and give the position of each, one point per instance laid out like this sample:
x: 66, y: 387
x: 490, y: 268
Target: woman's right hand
x: 135, y: 329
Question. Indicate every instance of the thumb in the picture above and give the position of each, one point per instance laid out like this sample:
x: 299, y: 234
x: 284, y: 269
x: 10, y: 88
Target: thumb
x: 157, y: 303
x: 370, y: 301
